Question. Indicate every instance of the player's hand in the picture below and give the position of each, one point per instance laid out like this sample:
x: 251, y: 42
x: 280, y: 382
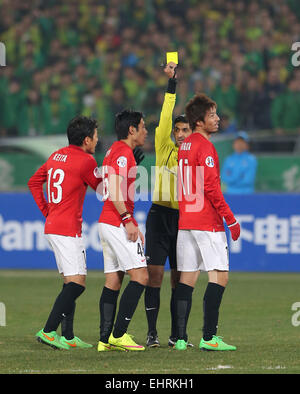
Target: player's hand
x: 235, y: 230
x: 132, y: 231
x: 138, y: 155
x: 170, y: 70
x: 141, y: 235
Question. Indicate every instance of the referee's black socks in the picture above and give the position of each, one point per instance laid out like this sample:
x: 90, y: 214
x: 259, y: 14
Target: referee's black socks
x: 64, y: 305
x: 211, y: 304
x: 152, y: 304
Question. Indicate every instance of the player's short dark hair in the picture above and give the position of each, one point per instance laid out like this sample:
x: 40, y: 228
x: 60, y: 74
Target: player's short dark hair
x: 79, y: 128
x: 197, y: 108
x: 124, y: 120
x: 180, y: 119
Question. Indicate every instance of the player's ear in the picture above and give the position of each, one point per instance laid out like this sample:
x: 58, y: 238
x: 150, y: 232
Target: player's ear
x: 85, y: 140
x: 199, y: 123
x: 131, y: 130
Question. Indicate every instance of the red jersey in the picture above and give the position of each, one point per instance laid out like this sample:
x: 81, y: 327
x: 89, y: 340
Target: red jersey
x: 201, y: 202
x: 118, y: 160
x: 67, y: 172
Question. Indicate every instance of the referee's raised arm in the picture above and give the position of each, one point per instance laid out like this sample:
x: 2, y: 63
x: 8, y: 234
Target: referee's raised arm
x: 164, y: 128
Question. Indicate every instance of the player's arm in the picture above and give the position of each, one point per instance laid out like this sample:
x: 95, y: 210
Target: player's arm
x: 116, y: 197
x: 213, y: 192
x: 90, y: 173
x: 164, y: 128
x: 35, y: 185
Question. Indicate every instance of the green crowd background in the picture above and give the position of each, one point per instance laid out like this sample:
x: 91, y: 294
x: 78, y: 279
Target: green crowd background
x: 97, y: 57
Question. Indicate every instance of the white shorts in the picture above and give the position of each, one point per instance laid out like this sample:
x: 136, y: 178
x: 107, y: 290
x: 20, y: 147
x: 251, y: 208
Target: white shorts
x: 69, y: 253
x: 202, y: 251
x: 119, y: 253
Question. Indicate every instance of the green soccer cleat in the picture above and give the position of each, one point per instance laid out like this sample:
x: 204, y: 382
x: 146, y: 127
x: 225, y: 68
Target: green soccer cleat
x: 125, y: 342
x: 51, y: 339
x: 181, y: 344
x: 172, y: 342
x: 215, y: 344
x: 75, y: 343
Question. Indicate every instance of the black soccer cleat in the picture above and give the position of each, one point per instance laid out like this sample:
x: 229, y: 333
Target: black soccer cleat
x: 152, y: 341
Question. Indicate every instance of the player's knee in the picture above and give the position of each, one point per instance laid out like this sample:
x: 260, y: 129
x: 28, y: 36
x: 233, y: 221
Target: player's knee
x: 79, y: 279
x: 139, y: 275
x: 156, y: 274
x: 143, y: 278
x: 113, y: 284
x: 175, y: 276
x: 223, y: 280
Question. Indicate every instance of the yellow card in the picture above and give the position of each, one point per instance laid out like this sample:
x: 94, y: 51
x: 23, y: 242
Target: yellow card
x: 172, y: 57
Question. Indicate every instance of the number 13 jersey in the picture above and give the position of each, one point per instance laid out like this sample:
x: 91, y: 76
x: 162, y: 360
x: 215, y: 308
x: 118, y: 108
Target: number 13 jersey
x: 67, y: 174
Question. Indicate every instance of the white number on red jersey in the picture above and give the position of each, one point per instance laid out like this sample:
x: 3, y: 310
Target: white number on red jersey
x: 105, y: 183
x: 184, y: 170
x: 55, y: 180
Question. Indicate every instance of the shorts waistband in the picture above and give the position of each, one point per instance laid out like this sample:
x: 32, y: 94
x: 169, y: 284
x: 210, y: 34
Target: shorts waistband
x: 162, y: 208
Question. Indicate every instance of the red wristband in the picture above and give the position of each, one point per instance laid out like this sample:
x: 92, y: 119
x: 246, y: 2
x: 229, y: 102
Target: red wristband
x: 122, y: 215
x: 127, y: 220
x: 126, y: 217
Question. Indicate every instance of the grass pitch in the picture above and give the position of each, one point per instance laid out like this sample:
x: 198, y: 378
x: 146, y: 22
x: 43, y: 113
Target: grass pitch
x: 256, y: 316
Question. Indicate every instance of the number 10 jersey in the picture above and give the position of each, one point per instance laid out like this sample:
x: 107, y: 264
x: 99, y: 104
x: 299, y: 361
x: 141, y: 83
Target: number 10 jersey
x: 201, y: 202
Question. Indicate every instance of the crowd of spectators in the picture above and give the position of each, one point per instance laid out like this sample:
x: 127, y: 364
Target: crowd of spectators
x: 96, y: 57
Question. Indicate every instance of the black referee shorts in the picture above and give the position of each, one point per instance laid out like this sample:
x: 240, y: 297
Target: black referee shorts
x: 161, y: 235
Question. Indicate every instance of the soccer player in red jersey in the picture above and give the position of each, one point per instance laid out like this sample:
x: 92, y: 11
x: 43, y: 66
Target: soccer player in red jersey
x: 67, y: 174
x: 201, y: 243
x: 120, y: 236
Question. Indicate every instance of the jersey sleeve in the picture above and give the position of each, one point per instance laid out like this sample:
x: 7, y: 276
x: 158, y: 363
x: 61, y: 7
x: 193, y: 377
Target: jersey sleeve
x: 35, y: 185
x: 212, y: 186
x: 90, y: 173
x: 121, y: 162
x: 164, y: 128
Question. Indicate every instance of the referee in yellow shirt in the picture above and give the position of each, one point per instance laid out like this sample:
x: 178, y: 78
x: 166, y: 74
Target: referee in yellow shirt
x: 162, y: 220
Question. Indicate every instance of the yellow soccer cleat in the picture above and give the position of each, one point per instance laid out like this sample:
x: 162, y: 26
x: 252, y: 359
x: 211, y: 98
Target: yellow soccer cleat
x: 125, y: 342
x: 104, y: 347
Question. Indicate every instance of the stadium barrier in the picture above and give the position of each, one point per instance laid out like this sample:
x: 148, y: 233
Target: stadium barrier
x: 277, y: 171
x: 270, y: 235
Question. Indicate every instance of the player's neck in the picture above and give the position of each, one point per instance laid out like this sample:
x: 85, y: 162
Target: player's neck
x: 129, y: 142
x: 204, y: 133
x: 87, y: 149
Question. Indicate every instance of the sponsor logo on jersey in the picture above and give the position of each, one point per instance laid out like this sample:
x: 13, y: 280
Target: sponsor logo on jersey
x: 209, y: 161
x: 122, y: 161
x: 98, y: 172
